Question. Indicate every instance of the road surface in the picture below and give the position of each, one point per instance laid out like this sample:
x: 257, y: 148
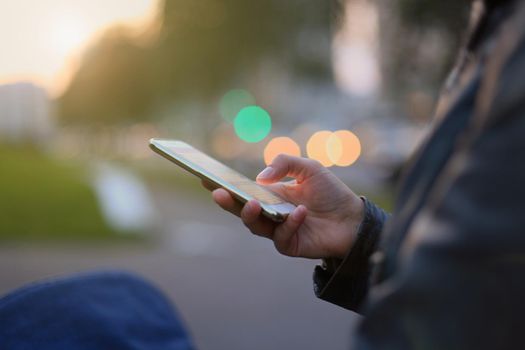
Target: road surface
x: 232, y: 289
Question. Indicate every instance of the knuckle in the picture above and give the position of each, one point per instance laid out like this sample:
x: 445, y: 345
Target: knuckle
x: 313, y: 163
x: 282, y: 156
x: 280, y: 159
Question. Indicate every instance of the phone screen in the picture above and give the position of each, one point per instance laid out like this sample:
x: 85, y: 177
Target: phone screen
x: 201, y: 161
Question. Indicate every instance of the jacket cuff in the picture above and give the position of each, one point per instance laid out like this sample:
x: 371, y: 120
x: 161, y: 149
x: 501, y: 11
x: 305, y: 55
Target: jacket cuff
x: 344, y: 282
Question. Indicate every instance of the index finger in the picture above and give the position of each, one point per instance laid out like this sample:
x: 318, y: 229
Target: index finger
x: 226, y: 201
x: 286, y: 165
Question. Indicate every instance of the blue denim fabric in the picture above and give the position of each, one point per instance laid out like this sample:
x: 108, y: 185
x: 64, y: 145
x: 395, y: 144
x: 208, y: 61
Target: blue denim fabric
x: 103, y: 310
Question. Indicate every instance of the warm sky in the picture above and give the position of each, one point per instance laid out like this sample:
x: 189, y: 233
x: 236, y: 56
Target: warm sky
x: 41, y: 40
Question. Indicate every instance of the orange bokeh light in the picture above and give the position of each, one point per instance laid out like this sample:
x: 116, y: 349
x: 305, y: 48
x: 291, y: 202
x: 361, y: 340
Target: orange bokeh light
x: 316, y: 148
x: 344, y: 148
x: 341, y: 148
x: 280, y: 145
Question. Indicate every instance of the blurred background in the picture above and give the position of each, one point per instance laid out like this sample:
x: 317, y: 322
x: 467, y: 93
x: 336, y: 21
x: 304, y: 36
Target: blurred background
x: 84, y: 84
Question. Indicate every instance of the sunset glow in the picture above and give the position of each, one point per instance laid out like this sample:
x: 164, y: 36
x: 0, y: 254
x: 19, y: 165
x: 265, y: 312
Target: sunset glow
x: 42, y: 41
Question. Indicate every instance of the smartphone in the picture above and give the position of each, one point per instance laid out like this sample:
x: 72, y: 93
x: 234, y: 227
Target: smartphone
x: 205, y: 167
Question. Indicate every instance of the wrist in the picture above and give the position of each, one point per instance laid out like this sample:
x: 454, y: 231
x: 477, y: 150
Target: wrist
x: 350, y: 226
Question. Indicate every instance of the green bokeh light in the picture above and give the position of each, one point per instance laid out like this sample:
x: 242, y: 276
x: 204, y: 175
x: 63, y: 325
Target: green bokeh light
x: 233, y: 101
x: 252, y: 124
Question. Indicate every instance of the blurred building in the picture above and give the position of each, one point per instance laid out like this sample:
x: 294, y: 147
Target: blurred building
x: 26, y: 114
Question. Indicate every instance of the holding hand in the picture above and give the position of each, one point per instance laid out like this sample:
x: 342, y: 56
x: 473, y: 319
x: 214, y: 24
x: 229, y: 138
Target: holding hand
x: 327, y: 217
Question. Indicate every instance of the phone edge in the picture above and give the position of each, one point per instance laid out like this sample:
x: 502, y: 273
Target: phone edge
x: 269, y: 213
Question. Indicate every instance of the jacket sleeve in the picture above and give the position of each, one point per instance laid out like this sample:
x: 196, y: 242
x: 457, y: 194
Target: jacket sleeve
x: 344, y: 282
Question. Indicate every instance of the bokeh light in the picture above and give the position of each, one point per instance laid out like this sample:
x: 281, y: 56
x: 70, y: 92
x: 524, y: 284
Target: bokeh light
x: 334, y: 148
x: 316, y: 148
x: 343, y: 148
x: 252, y: 124
x: 280, y: 145
x: 233, y: 101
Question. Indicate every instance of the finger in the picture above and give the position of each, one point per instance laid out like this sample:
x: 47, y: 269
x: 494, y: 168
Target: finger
x: 208, y: 185
x: 285, y: 165
x: 285, y: 231
x: 284, y: 190
x: 225, y: 200
x: 258, y: 224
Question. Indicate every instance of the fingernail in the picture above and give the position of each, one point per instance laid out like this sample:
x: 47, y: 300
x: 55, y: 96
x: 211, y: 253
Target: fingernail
x: 266, y: 173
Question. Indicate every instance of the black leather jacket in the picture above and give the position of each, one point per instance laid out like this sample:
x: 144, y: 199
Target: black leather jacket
x: 447, y: 271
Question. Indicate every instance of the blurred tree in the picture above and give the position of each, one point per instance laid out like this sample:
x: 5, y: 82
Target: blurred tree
x: 201, y: 49
x: 113, y: 83
x: 204, y: 47
x: 205, y: 43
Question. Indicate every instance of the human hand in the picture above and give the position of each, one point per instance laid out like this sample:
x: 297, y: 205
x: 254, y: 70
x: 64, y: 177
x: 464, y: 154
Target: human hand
x: 327, y: 217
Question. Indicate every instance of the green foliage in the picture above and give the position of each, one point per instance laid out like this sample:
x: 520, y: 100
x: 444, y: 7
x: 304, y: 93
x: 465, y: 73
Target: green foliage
x: 113, y: 83
x: 198, y: 49
x: 46, y: 199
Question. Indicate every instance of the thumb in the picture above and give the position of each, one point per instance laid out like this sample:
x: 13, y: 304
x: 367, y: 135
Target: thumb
x: 285, y: 235
x: 285, y: 165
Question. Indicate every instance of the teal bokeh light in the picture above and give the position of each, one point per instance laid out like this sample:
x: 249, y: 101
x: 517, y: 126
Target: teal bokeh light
x: 233, y: 101
x: 252, y: 124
